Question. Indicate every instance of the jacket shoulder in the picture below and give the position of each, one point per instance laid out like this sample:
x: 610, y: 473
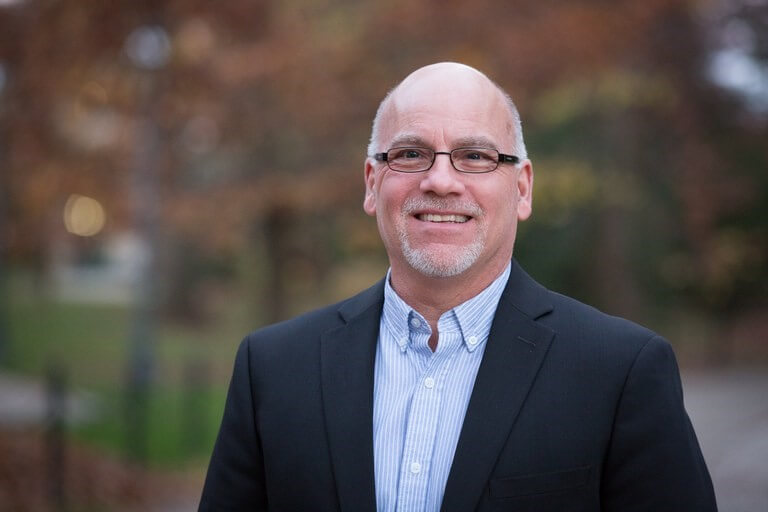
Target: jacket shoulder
x: 307, y: 327
x: 591, y: 328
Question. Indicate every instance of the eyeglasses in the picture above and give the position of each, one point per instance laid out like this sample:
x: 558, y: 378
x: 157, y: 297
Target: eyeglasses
x: 469, y: 160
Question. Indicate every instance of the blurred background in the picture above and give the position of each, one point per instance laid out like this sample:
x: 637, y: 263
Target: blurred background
x: 177, y: 173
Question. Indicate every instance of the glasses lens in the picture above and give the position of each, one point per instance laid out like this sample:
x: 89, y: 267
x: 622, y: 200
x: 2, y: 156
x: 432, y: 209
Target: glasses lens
x: 410, y: 159
x: 475, y: 159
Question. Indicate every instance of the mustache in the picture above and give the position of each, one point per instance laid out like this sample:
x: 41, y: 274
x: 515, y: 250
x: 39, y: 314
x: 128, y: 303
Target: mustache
x: 415, y: 204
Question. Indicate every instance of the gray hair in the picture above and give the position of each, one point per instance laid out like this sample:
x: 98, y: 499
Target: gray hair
x: 517, y: 125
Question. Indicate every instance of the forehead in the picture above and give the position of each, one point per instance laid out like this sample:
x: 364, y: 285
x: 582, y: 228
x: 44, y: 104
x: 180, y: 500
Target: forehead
x: 448, y: 111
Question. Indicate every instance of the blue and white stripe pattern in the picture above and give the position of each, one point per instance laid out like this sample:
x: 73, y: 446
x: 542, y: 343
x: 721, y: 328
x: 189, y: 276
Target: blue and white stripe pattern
x: 421, y: 397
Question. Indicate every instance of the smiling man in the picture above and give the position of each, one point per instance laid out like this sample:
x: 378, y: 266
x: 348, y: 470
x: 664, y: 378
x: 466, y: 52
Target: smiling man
x: 449, y: 191
x: 457, y: 382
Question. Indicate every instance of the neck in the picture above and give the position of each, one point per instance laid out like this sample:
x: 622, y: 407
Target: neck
x: 433, y: 296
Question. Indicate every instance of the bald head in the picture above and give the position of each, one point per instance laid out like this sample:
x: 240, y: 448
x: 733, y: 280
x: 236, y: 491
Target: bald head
x: 446, y: 83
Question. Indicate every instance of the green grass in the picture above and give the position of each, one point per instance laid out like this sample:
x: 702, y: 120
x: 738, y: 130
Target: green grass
x: 180, y: 427
x: 90, y: 342
x: 87, y: 340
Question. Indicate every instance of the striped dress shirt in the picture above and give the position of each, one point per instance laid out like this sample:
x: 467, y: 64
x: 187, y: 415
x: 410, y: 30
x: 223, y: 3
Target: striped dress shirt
x: 421, y: 397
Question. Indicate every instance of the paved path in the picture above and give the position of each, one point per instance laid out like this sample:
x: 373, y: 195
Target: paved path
x: 24, y: 403
x: 729, y: 410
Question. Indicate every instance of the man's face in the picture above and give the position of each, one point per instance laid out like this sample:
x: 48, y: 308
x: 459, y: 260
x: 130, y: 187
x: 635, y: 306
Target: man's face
x: 442, y: 222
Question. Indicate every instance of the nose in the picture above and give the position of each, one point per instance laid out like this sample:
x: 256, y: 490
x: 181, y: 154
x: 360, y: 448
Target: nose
x: 442, y: 178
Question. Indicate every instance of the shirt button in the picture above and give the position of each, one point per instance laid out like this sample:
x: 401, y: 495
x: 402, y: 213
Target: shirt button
x: 429, y: 382
x: 415, y: 322
x: 472, y: 340
x: 415, y: 467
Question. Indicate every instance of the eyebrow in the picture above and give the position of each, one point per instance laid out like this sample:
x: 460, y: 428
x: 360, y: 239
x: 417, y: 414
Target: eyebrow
x: 408, y: 139
x: 476, y: 142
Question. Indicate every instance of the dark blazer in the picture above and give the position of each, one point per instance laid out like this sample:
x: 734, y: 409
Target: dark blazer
x: 572, y: 410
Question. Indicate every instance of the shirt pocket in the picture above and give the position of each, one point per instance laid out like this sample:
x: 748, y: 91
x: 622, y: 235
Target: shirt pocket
x: 540, y: 483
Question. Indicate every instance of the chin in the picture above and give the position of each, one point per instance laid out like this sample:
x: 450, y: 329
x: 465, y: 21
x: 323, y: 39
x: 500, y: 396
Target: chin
x: 448, y: 262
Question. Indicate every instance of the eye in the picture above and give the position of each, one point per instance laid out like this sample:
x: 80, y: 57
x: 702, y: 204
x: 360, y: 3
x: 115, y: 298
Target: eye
x: 475, y: 155
x: 475, y: 159
x: 409, y: 154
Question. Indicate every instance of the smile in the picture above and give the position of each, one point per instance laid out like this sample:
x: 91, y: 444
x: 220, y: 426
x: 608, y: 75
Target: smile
x: 432, y: 217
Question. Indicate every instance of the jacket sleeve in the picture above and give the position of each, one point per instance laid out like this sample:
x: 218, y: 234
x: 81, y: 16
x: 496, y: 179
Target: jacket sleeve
x: 235, y: 479
x: 654, y: 461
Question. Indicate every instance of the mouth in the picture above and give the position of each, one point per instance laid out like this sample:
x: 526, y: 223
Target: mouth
x: 440, y: 218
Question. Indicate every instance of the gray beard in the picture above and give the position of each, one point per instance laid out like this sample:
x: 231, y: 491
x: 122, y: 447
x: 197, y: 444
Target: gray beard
x: 445, y: 263
x: 432, y: 265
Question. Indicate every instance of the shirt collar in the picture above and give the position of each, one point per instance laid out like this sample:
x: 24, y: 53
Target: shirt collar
x: 473, y: 317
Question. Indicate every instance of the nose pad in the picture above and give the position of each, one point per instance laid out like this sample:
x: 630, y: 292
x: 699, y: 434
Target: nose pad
x: 443, y: 159
x: 442, y: 178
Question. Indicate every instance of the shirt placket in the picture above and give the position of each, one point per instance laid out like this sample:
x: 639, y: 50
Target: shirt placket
x: 421, y: 430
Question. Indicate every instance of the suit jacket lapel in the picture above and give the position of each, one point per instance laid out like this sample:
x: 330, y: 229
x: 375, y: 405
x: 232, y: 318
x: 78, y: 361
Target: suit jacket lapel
x: 516, y: 348
x: 347, y: 357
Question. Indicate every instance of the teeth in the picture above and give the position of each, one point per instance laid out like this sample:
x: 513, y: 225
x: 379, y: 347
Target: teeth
x: 431, y: 217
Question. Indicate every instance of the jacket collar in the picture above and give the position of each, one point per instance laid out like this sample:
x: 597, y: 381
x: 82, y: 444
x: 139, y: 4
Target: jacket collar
x: 347, y: 356
x: 517, y: 346
x: 521, y: 292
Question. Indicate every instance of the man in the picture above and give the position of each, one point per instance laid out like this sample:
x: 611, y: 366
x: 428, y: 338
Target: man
x: 457, y: 383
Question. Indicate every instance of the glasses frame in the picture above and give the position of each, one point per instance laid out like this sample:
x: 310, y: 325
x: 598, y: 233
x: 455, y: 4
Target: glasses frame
x: 503, y: 158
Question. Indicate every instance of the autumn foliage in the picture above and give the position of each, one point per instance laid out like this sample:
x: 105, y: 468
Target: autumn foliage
x: 651, y: 190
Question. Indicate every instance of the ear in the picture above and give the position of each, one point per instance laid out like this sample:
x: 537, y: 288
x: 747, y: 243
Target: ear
x: 369, y: 202
x: 525, y: 190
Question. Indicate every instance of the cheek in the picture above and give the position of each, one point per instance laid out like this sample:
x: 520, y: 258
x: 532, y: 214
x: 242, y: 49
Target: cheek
x: 500, y: 207
x: 388, y: 203
x: 392, y: 193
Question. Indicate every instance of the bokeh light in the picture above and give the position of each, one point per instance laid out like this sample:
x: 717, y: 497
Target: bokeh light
x: 84, y: 216
x: 148, y: 47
